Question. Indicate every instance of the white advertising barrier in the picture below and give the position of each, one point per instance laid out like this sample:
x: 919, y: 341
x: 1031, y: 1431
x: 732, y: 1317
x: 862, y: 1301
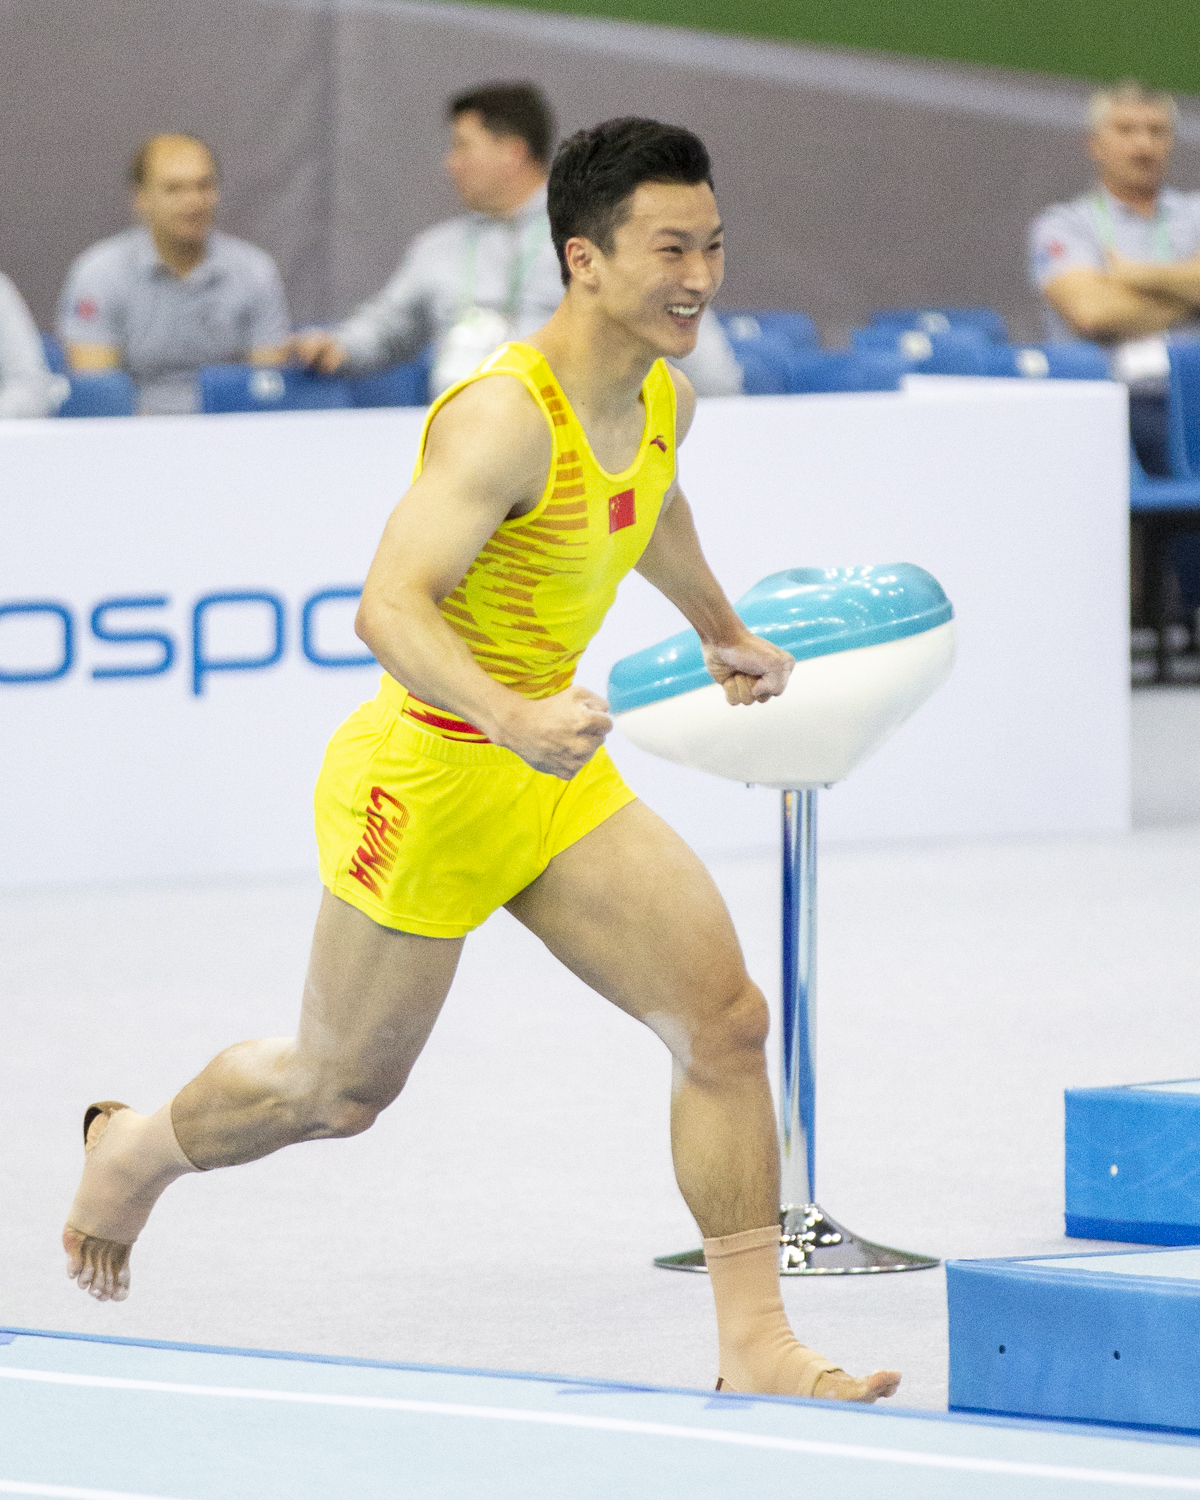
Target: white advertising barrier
x: 177, y: 598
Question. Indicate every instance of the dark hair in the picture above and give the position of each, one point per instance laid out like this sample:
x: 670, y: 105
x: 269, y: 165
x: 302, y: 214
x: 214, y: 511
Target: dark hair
x: 596, y: 172
x: 139, y: 164
x: 519, y: 109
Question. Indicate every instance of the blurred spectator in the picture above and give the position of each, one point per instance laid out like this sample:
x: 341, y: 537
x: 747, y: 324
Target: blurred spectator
x: 27, y: 388
x: 1121, y: 264
x: 473, y: 282
x: 170, y: 296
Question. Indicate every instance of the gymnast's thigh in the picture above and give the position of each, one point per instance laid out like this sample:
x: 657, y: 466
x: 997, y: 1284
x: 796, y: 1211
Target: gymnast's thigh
x: 633, y: 912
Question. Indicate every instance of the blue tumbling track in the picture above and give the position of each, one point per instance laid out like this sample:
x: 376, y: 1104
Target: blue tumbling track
x: 111, y: 1419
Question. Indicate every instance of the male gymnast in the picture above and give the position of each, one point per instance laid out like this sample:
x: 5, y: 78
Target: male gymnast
x: 477, y: 778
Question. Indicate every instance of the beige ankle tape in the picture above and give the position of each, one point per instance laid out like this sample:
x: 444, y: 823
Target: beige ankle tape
x: 759, y: 1353
x: 125, y: 1173
x: 746, y: 1239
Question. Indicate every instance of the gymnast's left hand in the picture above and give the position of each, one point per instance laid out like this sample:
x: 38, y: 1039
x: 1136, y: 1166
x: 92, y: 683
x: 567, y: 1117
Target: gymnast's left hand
x: 750, y: 670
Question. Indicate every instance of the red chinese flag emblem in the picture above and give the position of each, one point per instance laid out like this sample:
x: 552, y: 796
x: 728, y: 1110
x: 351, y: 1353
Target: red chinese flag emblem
x: 620, y: 511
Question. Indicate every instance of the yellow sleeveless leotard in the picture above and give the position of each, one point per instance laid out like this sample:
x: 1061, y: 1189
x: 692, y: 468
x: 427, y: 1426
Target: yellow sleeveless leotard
x: 539, y: 590
x: 422, y: 823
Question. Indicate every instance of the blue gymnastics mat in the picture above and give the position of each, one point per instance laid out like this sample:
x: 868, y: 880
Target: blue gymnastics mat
x: 86, y: 1418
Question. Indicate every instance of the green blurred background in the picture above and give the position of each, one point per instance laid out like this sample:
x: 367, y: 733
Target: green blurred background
x: 1157, y: 41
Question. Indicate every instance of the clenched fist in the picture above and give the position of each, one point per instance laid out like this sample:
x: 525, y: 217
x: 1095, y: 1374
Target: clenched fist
x: 751, y: 671
x: 559, y: 735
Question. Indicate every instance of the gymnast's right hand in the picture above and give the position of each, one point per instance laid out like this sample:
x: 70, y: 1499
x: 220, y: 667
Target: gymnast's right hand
x: 558, y: 735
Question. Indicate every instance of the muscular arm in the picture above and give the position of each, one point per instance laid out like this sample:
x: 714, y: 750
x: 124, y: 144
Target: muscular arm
x: 1098, y: 305
x: 487, y: 457
x: 750, y: 669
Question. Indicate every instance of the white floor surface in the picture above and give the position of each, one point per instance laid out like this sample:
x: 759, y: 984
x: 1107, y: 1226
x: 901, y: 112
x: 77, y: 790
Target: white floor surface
x: 505, y: 1211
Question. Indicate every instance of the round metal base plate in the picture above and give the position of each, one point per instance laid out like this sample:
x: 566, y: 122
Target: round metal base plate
x: 815, y: 1245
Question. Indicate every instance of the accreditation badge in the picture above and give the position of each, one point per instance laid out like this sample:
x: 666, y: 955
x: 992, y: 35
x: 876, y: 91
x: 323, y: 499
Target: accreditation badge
x: 478, y: 332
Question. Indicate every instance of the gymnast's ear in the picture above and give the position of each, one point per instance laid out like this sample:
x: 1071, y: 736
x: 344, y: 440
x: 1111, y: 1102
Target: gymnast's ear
x: 582, y: 258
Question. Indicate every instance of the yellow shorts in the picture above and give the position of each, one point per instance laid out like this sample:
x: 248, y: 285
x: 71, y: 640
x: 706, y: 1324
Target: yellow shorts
x: 430, y: 835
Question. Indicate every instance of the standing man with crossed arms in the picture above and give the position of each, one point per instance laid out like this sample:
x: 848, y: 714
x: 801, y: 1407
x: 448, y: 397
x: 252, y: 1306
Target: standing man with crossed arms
x: 477, y: 778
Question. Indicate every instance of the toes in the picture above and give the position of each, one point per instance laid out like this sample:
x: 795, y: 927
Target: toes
x: 878, y: 1386
x: 837, y: 1386
x: 884, y: 1383
x: 104, y: 1278
x: 100, y: 1267
x: 72, y: 1243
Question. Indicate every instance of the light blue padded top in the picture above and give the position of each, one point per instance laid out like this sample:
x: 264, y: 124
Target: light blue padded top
x: 807, y: 611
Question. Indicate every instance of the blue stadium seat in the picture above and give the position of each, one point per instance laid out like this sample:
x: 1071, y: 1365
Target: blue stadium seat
x: 795, y: 329
x: 764, y: 361
x: 108, y: 393
x: 233, y: 388
x: 984, y: 320
x: 1183, y: 411
x: 960, y: 351
x: 812, y: 371
x: 402, y: 385
x: 1150, y: 495
x: 52, y: 350
x: 1065, y: 361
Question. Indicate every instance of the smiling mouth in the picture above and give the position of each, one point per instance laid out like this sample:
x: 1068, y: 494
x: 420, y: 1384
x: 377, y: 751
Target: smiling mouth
x: 685, y: 309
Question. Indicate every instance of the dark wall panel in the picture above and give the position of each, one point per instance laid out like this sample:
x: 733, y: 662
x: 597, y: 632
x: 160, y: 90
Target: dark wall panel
x: 846, y: 183
x: 83, y: 82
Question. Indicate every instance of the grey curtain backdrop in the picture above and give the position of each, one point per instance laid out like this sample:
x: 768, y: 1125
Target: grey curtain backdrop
x: 847, y: 181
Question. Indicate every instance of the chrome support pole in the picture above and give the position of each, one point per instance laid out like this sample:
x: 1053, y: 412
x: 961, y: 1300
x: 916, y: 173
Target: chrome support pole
x: 797, y: 1011
x: 812, y: 1244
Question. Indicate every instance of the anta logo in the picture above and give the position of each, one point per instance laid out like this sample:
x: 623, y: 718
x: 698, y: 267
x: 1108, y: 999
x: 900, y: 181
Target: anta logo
x: 659, y: 442
x: 376, y: 855
x: 620, y: 511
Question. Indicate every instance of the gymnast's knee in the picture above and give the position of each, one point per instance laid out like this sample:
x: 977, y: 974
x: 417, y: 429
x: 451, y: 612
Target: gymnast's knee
x: 727, y: 1037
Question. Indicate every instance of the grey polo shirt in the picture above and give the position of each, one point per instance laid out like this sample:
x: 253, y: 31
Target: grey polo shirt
x: 166, y: 326
x: 27, y: 388
x: 507, y: 265
x: 1068, y: 235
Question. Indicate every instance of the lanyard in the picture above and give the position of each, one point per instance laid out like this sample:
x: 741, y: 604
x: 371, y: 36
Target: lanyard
x: 525, y: 250
x: 1161, y: 249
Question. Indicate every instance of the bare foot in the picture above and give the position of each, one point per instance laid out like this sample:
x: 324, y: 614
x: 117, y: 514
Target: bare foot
x: 836, y: 1385
x: 101, y: 1267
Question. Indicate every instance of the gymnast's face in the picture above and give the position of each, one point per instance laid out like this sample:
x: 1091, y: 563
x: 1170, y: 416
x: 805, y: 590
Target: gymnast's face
x: 664, y: 266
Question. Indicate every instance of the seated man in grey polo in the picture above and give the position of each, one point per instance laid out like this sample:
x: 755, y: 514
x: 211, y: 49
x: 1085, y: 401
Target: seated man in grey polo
x: 166, y: 298
x: 1121, y: 264
x: 474, y: 282
x: 27, y: 387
